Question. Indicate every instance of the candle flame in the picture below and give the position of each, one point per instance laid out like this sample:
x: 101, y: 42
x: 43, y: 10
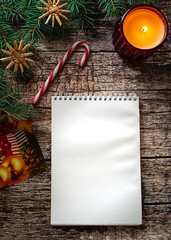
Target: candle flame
x: 144, y: 29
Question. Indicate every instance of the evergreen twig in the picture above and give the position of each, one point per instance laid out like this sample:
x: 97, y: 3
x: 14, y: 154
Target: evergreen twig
x: 114, y: 8
x: 83, y: 13
x: 30, y: 28
x: 8, y: 104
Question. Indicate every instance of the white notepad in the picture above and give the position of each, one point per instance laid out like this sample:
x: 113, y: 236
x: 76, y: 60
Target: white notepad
x: 96, y: 176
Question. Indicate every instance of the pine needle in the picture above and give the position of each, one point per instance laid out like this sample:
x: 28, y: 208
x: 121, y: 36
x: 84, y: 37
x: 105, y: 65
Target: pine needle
x: 8, y: 101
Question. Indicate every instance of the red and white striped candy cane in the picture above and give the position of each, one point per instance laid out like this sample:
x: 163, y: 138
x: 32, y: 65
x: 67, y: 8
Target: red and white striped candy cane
x: 60, y: 64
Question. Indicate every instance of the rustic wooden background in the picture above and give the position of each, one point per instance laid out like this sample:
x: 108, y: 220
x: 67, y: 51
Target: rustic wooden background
x: 25, y: 207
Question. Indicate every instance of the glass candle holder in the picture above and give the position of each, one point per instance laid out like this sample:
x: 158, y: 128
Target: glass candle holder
x: 143, y: 29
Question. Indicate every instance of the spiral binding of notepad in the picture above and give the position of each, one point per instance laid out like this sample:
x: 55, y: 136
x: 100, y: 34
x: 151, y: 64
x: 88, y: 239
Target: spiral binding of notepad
x: 97, y: 97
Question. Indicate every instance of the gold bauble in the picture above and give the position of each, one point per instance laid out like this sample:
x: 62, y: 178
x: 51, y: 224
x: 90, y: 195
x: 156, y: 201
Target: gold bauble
x: 5, y: 176
x: 15, y: 164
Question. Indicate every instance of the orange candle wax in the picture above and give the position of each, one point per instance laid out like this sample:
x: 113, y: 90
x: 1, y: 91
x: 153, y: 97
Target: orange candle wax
x: 143, y: 28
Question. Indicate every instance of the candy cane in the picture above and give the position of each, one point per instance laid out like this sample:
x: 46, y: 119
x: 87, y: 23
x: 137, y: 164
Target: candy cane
x: 60, y: 64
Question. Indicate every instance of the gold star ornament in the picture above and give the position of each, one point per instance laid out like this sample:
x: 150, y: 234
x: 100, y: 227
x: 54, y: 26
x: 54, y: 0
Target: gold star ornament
x: 17, y: 56
x: 53, y: 10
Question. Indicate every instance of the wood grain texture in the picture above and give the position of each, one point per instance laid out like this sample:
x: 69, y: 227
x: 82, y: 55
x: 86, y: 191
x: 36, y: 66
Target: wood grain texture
x: 25, y: 207
x: 100, y: 38
x: 26, y: 214
x: 155, y: 126
x: 103, y: 72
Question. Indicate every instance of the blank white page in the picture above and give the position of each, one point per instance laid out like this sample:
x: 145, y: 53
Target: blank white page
x: 95, y: 161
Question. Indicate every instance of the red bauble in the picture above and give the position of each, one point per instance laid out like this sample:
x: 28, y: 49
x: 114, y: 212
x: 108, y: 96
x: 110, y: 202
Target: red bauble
x: 2, y: 143
x: 7, y: 145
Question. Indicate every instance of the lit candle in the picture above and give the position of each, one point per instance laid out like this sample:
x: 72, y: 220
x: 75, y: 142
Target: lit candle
x: 142, y: 30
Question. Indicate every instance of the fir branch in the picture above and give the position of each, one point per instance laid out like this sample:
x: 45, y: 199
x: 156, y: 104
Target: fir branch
x: 6, y: 33
x: 131, y: 2
x: 112, y: 8
x: 8, y: 103
x: 32, y: 32
x: 9, y: 94
x: 2, y: 32
x: 18, y: 111
x: 113, y: 5
x: 13, y: 10
x: 83, y: 13
x: 30, y: 28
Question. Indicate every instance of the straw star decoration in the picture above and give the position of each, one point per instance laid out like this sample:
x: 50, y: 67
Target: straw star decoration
x: 53, y: 10
x: 17, y: 56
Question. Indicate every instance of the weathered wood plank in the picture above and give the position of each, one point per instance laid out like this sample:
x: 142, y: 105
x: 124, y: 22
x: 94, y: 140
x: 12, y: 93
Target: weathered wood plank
x: 156, y: 119
x: 103, y: 72
x: 25, y: 209
x: 25, y: 222
x: 150, y: 101
x: 155, y: 125
x: 156, y: 184
x: 153, y: 143
x: 100, y: 38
